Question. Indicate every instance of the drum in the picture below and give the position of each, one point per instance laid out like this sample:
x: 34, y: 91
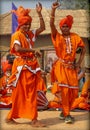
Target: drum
x: 42, y: 102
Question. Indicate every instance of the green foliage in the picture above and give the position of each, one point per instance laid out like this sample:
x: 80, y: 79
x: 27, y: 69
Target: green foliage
x: 83, y: 4
x: 76, y: 4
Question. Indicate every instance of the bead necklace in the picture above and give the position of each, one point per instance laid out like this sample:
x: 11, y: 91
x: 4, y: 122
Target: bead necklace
x: 68, y: 45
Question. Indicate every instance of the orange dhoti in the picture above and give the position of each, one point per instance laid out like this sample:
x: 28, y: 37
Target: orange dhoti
x: 24, y: 95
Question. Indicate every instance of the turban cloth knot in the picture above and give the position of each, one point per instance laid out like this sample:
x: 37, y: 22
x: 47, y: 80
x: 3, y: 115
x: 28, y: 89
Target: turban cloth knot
x: 22, y: 15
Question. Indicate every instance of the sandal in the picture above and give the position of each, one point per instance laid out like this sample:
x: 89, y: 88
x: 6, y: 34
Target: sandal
x: 37, y: 123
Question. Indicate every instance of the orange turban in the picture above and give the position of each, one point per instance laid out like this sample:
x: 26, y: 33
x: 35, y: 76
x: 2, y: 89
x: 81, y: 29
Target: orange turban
x: 22, y: 15
x: 68, y: 20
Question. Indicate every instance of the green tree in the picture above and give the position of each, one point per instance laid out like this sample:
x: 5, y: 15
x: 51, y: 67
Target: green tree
x: 75, y: 4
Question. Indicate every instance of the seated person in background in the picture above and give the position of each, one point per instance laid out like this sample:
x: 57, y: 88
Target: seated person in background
x: 83, y: 101
x: 6, y: 67
x: 5, y: 93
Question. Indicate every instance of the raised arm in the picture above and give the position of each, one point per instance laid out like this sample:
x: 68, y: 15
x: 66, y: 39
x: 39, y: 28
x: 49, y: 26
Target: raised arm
x: 42, y: 24
x: 55, y: 5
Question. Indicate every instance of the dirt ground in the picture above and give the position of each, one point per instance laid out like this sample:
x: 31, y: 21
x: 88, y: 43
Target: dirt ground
x: 50, y: 118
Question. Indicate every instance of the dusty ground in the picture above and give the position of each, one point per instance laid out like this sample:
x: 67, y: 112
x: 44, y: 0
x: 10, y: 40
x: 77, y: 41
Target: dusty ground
x: 50, y: 118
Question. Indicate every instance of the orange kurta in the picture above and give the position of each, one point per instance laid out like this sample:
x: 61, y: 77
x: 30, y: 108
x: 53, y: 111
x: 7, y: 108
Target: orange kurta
x: 65, y: 74
x: 25, y: 74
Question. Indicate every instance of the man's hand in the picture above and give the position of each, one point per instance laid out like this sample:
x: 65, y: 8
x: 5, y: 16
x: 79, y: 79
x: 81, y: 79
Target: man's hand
x: 37, y: 54
x: 38, y: 7
x: 55, y: 5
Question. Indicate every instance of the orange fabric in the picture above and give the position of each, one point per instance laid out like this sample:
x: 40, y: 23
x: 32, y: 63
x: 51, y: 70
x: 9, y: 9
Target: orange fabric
x: 1, y: 79
x: 55, y: 88
x: 3, y: 91
x: 77, y: 102
x: 41, y: 85
x: 24, y: 95
x: 6, y: 99
x: 81, y: 103
x: 54, y: 104
x: 85, y: 88
x: 53, y: 76
x: 57, y: 101
x: 19, y: 36
x: 6, y: 66
x: 7, y: 69
x: 61, y: 71
x: 4, y: 81
x: 3, y: 84
x: 22, y: 16
x: 84, y: 105
x: 65, y: 76
x: 68, y: 20
x: 68, y: 97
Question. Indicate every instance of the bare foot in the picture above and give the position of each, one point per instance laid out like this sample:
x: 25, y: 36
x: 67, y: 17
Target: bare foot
x: 36, y: 123
x: 10, y: 121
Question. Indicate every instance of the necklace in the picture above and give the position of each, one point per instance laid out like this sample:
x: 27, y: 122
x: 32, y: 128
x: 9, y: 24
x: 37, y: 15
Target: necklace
x: 68, y: 45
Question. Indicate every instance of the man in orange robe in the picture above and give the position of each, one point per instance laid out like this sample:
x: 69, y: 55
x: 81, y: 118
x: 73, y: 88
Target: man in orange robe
x: 25, y: 71
x: 65, y: 45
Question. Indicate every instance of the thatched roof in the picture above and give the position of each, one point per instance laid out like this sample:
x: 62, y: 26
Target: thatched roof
x: 81, y: 21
